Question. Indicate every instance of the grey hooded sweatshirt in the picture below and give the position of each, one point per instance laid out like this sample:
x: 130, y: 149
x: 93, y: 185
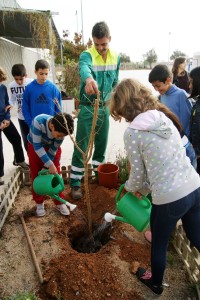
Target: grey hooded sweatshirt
x: 157, y: 156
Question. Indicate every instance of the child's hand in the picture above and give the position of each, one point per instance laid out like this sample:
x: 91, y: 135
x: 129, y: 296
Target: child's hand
x: 4, y: 124
x: 8, y: 107
x: 138, y: 194
x: 52, y: 169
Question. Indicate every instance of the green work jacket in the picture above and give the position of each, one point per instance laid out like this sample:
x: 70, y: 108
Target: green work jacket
x: 91, y: 64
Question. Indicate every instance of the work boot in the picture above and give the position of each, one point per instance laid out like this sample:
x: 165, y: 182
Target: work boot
x: 76, y: 193
x: 94, y: 180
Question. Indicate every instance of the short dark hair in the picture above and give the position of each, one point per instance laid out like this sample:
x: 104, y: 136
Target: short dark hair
x: 160, y: 73
x: 100, y: 30
x: 42, y: 64
x: 18, y: 70
x: 58, y: 122
x: 195, y: 76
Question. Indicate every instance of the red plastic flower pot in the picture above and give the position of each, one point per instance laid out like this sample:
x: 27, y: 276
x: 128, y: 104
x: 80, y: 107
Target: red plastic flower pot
x: 108, y: 175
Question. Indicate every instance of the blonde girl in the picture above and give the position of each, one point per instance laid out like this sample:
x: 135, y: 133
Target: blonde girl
x: 157, y: 156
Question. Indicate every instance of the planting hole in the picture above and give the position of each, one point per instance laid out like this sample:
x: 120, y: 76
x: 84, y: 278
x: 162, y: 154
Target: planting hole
x: 83, y: 242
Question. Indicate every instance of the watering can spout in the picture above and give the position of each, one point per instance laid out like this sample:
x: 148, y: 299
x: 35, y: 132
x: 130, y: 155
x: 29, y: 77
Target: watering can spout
x: 121, y: 219
x: 70, y: 205
x: 109, y: 218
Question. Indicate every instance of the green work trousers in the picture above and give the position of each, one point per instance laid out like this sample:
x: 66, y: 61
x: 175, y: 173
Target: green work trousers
x: 84, y: 126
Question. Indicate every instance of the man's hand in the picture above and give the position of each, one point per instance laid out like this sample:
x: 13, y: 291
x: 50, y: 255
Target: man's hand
x: 52, y: 169
x: 91, y: 86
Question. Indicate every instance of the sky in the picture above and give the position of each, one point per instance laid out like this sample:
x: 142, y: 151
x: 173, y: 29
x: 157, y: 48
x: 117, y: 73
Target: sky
x: 135, y: 26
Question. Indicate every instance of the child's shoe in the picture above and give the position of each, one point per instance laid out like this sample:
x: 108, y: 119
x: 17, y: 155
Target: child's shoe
x: 1, y: 181
x: 62, y: 208
x: 146, y: 277
x: 40, y: 211
x: 23, y: 165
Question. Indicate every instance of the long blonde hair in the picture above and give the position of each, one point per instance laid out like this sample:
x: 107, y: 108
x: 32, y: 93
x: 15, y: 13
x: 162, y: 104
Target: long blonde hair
x: 130, y: 98
x: 3, y: 75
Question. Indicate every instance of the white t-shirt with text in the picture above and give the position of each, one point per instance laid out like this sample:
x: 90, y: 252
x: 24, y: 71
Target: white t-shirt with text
x: 16, y: 95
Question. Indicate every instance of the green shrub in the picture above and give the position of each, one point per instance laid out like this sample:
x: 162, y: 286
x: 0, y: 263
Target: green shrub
x: 71, y: 79
x: 23, y: 296
x: 122, y: 162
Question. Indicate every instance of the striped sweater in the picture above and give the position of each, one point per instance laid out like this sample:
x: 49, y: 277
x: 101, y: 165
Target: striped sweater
x: 40, y: 136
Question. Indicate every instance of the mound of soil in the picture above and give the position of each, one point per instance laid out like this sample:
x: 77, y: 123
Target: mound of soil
x: 69, y: 274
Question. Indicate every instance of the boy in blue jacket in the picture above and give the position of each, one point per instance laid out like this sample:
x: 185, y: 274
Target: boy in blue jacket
x: 173, y: 97
x: 39, y: 95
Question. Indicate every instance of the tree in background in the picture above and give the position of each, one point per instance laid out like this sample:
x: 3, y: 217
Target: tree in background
x: 177, y: 53
x: 69, y: 78
x: 150, y: 57
x: 124, y: 58
x: 70, y: 49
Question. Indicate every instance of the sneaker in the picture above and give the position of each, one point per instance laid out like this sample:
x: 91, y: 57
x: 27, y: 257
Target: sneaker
x: 146, y: 277
x: 76, y: 193
x: 1, y: 181
x: 40, y: 211
x: 23, y: 165
x: 62, y: 208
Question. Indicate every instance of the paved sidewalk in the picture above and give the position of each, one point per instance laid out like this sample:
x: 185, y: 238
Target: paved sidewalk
x: 115, y: 144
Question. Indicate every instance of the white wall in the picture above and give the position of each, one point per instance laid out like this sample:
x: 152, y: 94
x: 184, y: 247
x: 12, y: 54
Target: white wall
x: 11, y: 53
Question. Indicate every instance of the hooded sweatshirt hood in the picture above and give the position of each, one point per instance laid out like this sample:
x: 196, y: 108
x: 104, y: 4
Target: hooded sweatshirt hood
x: 157, y: 156
x: 153, y: 121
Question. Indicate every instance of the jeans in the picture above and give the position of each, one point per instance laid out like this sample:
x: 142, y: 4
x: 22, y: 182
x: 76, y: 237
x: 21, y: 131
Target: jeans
x: 24, y: 132
x: 163, y: 221
x: 1, y: 156
x: 14, y: 138
x: 192, y: 156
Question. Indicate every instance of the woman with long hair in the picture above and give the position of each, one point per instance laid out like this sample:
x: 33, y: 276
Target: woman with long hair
x: 180, y: 75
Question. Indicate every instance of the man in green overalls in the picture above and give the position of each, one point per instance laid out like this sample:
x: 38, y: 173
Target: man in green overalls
x: 99, y: 69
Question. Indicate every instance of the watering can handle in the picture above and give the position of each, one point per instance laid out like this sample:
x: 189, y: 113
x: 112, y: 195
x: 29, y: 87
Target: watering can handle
x: 43, y: 172
x: 146, y: 200
x: 119, y: 192
x: 46, y: 171
x: 60, y: 180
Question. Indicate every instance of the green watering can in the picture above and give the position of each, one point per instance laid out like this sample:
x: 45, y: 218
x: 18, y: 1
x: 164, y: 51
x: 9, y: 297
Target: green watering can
x: 50, y: 184
x: 134, y: 211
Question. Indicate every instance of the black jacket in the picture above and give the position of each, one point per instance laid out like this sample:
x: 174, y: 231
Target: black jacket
x: 195, y: 126
x: 182, y: 82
